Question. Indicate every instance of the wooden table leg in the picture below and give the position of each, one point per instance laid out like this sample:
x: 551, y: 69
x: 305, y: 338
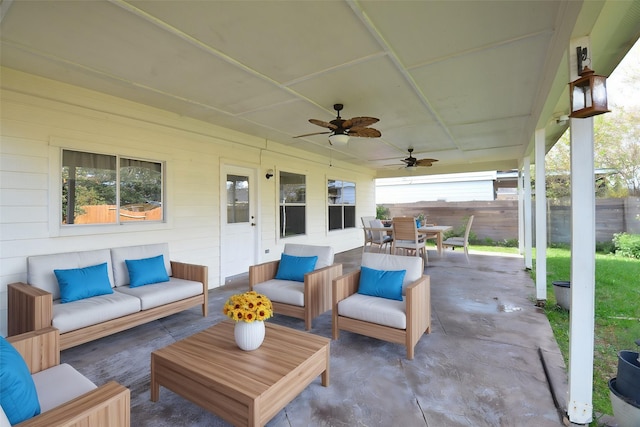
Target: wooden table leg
x: 155, y: 387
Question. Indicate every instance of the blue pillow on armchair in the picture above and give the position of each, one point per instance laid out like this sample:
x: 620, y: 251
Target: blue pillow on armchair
x: 295, y: 267
x: 18, y: 395
x: 380, y: 283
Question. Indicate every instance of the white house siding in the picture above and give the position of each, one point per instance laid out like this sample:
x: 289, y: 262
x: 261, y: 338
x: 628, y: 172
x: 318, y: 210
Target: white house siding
x: 475, y: 186
x: 39, y: 116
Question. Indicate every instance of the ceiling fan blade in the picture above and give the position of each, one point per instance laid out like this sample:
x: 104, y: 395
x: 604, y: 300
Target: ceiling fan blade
x: 323, y: 124
x: 359, y: 122
x: 309, y: 134
x: 365, y: 132
x: 426, y: 162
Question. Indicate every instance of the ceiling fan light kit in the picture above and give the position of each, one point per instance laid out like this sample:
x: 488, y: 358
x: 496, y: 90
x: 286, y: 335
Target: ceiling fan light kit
x: 338, y: 139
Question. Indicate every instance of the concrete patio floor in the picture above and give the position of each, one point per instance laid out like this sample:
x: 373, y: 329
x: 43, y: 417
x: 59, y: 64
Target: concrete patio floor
x: 491, y: 359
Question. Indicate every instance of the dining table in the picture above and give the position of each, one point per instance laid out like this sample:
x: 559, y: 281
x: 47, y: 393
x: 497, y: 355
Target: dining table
x: 438, y: 230
x: 429, y: 230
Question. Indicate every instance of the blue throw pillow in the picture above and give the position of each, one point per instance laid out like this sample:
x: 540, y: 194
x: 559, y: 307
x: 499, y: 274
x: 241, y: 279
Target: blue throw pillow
x: 146, y: 271
x: 80, y: 283
x: 380, y: 283
x: 295, y: 267
x: 18, y: 395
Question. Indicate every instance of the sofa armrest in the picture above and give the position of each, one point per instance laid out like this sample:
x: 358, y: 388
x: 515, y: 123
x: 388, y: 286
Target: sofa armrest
x: 106, y: 406
x: 418, y: 297
x: 30, y: 308
x: 40, y: 349
x: 196, y: 273
x: 262, y: 272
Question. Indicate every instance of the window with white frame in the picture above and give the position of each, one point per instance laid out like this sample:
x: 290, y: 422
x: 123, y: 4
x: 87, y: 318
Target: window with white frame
x: 293, y: 204
x: 109, y: 189
x: 342, y: 204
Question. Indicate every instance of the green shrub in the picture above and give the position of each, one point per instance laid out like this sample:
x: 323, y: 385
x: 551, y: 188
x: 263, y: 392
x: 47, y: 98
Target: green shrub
x: 627, y: 245
x: 382, y: 212
x: 605, y: 247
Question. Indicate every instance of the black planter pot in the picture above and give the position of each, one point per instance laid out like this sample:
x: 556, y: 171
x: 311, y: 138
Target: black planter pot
x: 628, y: 383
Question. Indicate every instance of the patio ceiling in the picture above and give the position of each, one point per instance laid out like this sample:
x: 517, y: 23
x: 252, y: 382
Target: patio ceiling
x: 465, y: 82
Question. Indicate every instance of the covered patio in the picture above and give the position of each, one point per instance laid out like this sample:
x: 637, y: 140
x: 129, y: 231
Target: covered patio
x: 490, y: 360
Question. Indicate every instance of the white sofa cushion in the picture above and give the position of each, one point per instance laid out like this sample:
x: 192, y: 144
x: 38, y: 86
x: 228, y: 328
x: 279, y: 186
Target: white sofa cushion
x: 381, y: 311
x: 119, y: 255
x: 158, y: 294
x: 4, y: 421
x: 413, y: 266
x: 325, y: 254
x: 90, y: 311
x: 40, y: 267
x: 284, y: 291
x: 51, y: 394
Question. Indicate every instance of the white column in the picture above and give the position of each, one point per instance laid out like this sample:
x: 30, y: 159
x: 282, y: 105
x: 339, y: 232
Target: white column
x: 528, y: 263
x: 520, y: 212
x: 541, y: 217
x: 583, y: 247
x: 583, y: 202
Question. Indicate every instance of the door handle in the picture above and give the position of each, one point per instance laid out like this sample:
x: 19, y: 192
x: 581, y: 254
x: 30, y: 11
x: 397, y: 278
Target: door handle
x: 253, y: 224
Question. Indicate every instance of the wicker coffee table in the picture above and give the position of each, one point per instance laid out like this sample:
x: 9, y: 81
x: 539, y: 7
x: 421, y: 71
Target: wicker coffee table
x: 246, y: 388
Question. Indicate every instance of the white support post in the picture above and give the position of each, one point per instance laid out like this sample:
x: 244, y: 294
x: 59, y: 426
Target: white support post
x: 582, y: 304
x: 541, y: 217
x: 520, y: 211
x: 528, y: 263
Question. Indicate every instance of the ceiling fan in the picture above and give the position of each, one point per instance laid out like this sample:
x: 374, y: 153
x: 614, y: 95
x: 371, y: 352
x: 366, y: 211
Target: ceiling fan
x: 342, y: 129
x: 412, y: 162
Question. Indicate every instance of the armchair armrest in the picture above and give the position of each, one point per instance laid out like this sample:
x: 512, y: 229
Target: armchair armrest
x: 106, y: 406
x: 418, y: 297
x: 40, y: 349
x: 318, y: 290
x: 343, y: 287
x: 197, y: 273
x: 30, y: 308
x: 262, y: 272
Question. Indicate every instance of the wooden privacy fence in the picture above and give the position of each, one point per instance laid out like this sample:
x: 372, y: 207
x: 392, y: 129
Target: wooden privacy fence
x: 498, y: 219
x: 106, y: 214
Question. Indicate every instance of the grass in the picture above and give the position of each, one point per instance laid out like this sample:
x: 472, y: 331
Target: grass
x: 617, y: 315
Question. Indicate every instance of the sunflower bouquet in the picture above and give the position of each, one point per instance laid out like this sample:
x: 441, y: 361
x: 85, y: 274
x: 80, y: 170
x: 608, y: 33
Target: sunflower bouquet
x: 248, y: 307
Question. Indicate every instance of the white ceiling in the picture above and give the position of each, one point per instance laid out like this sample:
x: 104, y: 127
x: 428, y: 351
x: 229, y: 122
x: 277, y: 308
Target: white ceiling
x: 465, y: 82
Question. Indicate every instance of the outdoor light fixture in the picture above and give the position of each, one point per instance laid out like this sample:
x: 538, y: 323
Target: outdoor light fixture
x: 339, y: 139
x: 588, y: 92
x: 269, y: 174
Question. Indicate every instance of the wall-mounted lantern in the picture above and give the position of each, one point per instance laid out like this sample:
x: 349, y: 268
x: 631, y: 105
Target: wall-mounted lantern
x: 588, y: 92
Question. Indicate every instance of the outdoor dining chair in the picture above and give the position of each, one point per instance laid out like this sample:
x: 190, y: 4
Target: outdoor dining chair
x: 461, y: 242
x: 406, y: 237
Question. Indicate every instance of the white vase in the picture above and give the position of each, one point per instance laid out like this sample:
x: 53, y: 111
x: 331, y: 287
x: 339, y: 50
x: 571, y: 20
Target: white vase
x: 249, y: 336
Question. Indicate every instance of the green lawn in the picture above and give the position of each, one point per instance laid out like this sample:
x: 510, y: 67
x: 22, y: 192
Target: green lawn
x: 617, y: 315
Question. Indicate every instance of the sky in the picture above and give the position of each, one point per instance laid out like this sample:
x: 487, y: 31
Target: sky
x: 622, y: 89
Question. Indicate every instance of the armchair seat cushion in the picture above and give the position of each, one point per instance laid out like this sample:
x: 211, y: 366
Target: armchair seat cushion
x: 382, y: 311
x: 51, y: 394
x: 86, y: 312
x: 283, y: 291
x: 158, y: 294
